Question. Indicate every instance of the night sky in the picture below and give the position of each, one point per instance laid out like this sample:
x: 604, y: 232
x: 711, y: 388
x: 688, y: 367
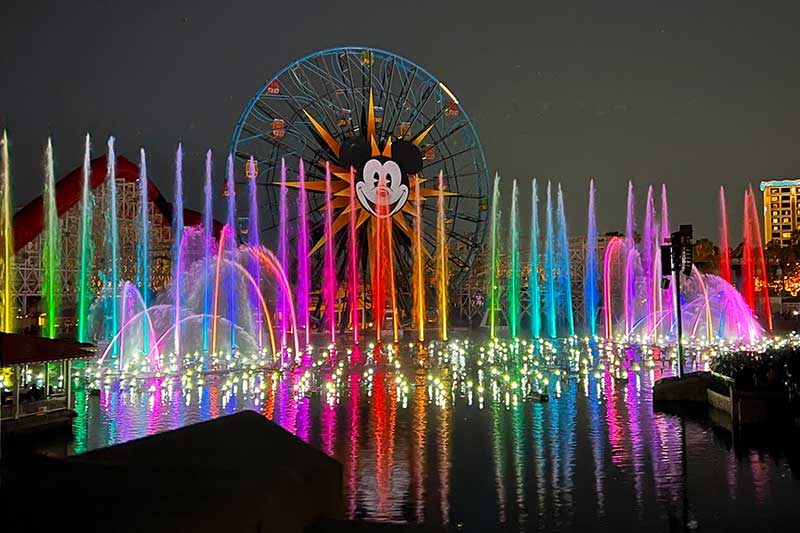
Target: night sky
x: 692, y: 94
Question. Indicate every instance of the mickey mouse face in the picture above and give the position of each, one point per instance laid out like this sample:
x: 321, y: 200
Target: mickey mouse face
x: 381, y: 182
x: 381, y: 190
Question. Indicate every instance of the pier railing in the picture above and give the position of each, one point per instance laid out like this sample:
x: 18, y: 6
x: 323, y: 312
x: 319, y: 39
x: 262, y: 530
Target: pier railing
x: 34, y: 407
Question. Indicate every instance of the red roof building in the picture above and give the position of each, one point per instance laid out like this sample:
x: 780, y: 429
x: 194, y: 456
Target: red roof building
x: 29, y: 221
x: 29, y: 225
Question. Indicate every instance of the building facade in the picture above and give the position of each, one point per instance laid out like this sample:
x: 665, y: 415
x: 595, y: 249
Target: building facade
x: 781, y: 213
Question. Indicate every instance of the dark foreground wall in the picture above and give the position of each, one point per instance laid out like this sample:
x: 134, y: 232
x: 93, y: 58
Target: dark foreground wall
x: 235, y: 473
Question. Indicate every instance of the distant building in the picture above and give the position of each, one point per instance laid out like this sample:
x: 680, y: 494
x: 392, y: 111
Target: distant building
x: 781, y: 210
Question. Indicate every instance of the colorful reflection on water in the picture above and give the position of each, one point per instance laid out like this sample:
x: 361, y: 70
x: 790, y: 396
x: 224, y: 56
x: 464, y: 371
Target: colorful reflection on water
x: 435, y: 443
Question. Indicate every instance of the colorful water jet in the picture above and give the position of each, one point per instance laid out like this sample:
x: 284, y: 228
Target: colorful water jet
x: 387, y: 225
x: 590, y: 272
x: 419, y: 274
x: 724, y: 247
x: 564, y: 274
x: 550, y: 311
x: 378, y: 268
x: 231, y: 285
x: 159, y: 317
x: 442, y: 273
x: 665, y: 227
x: 493, y: 229
x: 143, y: 270
x: 51, y: 249
x: 86, y: 259
x: 112, y: 250
x: 329, y: 269
x: 177, y: 249
x: 534, y: 289
x: 303, y: 271
x: 514, y: 266
x: 608, y: 318
x: 648, y: 254
x: 635, y: 306
x: 253, y: 241
x: 754, y: 265
x: 631, y: 256
x: 8, y: 271
x: 283, y: 250
x: 208, y: 246
x: 664, y: 299
x: 352, y: 241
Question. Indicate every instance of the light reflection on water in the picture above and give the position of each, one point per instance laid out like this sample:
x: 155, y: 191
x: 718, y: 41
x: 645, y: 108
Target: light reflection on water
x: 595, y: 456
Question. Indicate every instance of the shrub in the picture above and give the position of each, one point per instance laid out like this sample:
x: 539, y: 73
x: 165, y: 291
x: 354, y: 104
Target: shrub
x: 775, y: 368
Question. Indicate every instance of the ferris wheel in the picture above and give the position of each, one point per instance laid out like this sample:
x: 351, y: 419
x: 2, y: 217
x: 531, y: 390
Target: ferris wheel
x: 370, y: 110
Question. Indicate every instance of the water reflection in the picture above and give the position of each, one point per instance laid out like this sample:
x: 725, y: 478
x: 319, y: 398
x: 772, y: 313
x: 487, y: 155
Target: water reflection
x: 352, y: 465
x: 476, y: 447
x: 419, y: 429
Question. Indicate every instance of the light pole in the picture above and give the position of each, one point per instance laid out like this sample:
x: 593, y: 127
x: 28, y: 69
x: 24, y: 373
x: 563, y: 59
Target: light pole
x: 677, y: 258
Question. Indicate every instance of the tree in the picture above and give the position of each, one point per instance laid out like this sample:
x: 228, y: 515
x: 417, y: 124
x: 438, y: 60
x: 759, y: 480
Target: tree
x: 706, y: 256
x: 786, y: 258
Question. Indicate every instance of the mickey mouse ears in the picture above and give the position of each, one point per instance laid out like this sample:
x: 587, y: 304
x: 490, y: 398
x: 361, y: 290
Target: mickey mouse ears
x: 357, y: 151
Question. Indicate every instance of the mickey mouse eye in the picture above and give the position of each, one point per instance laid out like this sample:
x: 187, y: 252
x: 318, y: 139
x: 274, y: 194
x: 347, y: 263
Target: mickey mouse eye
x: 372, y: 173
x: 394, y: 175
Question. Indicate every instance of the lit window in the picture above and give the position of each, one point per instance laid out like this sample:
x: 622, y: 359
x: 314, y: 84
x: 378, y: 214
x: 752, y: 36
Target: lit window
x: 786, y: 235
x: 785, y: 220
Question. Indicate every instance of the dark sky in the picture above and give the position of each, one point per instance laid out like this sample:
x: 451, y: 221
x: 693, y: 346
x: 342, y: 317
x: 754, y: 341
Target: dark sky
x: 694, y: 94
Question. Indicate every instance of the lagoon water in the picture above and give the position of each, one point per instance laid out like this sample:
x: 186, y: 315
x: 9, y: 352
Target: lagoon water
x: 596, y: 456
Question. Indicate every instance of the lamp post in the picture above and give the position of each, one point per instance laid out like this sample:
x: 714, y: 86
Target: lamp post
x: 677, y: 258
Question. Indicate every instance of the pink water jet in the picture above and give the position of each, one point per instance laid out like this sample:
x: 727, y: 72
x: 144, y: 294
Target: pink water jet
x: 329, y: 270
x: 303, y: 273
x: 353, y: 259
x: 724, y: 247
x: 283, y: 230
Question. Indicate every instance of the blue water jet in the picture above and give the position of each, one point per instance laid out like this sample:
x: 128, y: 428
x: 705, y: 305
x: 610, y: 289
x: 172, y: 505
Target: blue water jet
x: 590, y: 272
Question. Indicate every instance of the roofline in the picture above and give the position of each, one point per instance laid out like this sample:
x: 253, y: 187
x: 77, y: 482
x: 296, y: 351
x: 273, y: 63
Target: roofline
x: 779, y: 183
x: 17, y: 349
